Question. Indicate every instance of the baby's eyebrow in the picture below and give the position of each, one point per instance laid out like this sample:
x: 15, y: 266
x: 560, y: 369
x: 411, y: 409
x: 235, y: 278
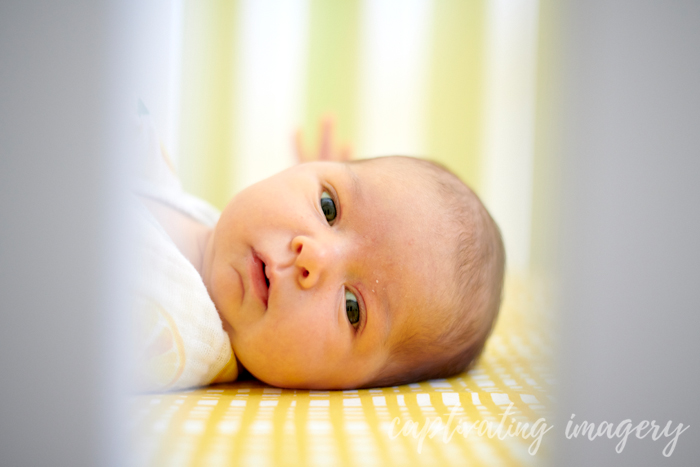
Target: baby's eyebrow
x: 355, y: 186
x: 386, y: 305
x: 387, y: 323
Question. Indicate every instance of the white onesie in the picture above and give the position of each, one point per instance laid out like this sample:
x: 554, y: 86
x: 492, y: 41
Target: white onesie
x: 178, y: 338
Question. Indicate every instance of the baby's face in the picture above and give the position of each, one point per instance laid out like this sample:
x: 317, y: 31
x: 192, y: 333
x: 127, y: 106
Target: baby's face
x: 319, y: 269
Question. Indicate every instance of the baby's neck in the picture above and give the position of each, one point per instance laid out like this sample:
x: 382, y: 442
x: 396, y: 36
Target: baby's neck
x: 189, y: 236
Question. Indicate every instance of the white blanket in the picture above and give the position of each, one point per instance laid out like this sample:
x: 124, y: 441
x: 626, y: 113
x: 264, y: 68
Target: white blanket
x: 178, y: 338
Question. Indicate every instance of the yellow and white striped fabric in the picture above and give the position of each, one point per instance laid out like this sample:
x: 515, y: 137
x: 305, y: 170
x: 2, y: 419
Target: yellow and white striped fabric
x: 451, y: 80
x: 249, y: 423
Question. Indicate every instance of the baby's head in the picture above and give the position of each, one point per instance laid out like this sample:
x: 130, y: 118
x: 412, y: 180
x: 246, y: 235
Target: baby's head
x: 337, y: 275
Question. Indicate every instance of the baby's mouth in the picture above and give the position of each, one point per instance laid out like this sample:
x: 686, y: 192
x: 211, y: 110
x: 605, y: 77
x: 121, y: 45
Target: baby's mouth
x: 260, y: 284
x: 267, y: 281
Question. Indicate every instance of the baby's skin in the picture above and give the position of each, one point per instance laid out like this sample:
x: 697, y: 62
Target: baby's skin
x: 318, y: 271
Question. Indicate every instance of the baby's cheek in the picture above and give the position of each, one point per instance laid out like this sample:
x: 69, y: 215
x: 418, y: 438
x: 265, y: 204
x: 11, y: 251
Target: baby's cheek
x: 303, y: 340
x: 294, y: 333
x: 223, y: 290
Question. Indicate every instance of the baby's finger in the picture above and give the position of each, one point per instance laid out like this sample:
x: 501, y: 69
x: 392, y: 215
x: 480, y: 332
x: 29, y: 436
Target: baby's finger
x: 299, y: 151
x: 325, y: 150
x: 346, y: 153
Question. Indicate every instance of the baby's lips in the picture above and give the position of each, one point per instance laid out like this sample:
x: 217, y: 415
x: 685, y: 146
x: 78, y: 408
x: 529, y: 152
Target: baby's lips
x: 257, y: 278
x: 269, y: 269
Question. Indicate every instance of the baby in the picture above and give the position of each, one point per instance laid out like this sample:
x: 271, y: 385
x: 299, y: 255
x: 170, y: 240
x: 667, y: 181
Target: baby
x: 334, y: 275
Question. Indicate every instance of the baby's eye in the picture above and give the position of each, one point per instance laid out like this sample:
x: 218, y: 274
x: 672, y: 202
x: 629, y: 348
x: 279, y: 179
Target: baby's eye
x: 352, y: 308
x: 328, y: 206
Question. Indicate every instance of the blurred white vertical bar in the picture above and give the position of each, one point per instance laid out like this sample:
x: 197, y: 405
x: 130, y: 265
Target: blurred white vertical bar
x: 272, y: 54
x: 159, y: 58
x: 509, y: 122
x: 175, y: 77
x: 393, y: 77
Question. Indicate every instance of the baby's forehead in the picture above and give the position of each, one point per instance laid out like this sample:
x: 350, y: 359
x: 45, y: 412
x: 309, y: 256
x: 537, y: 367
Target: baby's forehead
x: 394, y: 186
x: 395, y: 207
x: 419, y: 173
x: 395, y: 213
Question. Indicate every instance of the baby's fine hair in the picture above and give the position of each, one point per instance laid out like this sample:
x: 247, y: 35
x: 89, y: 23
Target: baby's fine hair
x: 469, y: 312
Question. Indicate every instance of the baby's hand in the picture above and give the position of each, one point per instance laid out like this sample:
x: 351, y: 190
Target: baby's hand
x: 327, y: 150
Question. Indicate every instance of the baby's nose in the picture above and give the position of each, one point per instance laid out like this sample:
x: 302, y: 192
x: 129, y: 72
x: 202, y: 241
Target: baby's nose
x: 314, y: 258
